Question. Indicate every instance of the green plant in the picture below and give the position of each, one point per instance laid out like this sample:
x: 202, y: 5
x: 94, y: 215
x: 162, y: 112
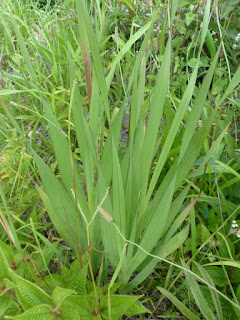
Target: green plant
x: 66, y: 295
x: 16, y: 184
x: 142, y: 214
x: 147, y: 126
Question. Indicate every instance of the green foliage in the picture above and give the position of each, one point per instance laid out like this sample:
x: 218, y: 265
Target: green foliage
x: 69, y: 299
x: 119, y: 121
x: 16, y: 183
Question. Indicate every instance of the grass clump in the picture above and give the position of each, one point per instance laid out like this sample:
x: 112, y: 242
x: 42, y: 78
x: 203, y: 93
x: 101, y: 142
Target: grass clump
x: 120, y: 161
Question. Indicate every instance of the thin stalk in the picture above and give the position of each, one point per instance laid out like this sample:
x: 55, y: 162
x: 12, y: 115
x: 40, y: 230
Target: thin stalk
x: 191, y: 259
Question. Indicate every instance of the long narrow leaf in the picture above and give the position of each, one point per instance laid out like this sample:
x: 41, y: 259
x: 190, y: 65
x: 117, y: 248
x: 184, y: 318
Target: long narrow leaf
x: 214, y: 294
x: 198, y: 296
x: 154, y: 118
x: 61, y: 207
x: 181, y: 307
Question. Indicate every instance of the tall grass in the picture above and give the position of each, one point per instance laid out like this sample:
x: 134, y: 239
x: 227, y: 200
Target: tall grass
x: 149, y: 173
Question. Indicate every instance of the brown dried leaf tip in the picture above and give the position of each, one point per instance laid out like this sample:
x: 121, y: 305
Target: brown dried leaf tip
x: 202, y: 3
x: 214, y: 7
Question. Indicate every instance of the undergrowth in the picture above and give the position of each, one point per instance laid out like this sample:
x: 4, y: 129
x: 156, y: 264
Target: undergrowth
x: 120, y: 160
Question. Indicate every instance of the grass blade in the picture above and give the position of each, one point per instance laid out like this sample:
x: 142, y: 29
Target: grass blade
x: 214, y: 294
x: 198, y: 296
x: 181, y: 307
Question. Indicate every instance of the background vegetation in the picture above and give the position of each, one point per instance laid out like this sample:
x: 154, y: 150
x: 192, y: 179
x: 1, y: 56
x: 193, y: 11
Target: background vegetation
x: 120, y: 159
